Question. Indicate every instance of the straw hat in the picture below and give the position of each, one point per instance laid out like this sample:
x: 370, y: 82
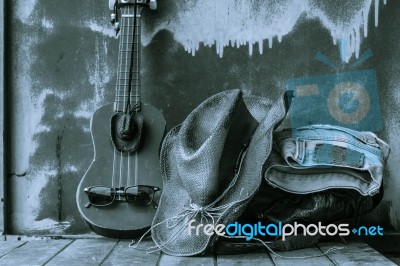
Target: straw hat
x: 211, y: 167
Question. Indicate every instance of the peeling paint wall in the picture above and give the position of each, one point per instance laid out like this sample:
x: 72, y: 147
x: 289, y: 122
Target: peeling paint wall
x: 250, y: 23
x: 61, y: 67
x: 64, y: 61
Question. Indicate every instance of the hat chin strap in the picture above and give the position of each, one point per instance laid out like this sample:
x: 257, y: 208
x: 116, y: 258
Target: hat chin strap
x: 185, y: 216
x: 207, y: 212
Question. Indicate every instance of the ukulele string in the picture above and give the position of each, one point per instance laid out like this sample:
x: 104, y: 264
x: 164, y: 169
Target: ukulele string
x: 118, y: 94
x: 137, y: 84
x: 120, y: 170
x: 137, y: 43
x: 113, y: 170
x: 124, y: 96
x: 128, y: 183
x: 128, y: 105
x: 136, y: 168
x: 127, y: 91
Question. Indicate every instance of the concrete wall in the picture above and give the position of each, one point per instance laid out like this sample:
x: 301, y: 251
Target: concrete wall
x: 63, y: 67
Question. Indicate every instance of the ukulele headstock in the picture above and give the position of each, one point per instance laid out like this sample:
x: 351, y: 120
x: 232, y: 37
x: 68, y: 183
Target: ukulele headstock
x: 115, y: 5
x: 152, y: 4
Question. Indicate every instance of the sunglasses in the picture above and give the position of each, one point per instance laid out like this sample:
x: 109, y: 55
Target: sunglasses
x: 100, y: 196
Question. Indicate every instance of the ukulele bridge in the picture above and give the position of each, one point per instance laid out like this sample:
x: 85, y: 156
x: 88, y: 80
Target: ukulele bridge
x: 120, y: 195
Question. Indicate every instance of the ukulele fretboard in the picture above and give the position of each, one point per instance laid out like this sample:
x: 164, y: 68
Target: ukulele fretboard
x: 129, y: 49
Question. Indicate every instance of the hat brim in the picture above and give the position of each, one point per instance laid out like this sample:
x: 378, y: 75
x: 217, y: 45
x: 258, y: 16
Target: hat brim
x: 170, y: 229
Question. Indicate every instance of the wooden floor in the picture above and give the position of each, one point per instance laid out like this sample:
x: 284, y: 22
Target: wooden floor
x: 102, y: 251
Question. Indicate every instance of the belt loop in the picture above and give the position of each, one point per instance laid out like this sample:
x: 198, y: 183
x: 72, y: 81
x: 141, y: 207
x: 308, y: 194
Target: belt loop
x: 300, y: 150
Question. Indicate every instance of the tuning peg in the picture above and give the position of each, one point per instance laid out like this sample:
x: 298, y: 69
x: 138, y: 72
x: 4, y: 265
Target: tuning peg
x: 111, y: 4
x: 116, y: 27
x: 113, y: 17
x: 153, y: 4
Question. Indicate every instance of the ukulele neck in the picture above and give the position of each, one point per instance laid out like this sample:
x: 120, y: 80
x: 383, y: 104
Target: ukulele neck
x: 128, y: 85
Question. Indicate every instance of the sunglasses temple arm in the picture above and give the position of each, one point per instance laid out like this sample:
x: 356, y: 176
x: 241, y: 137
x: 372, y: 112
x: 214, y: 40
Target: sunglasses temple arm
x: 155, y: 204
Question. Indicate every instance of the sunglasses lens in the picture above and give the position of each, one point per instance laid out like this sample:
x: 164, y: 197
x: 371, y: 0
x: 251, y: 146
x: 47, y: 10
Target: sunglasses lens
x: 139, y: 195
x: 101, y: 196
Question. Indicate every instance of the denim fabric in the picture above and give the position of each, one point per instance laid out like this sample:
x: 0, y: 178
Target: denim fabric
x: 319, y: 157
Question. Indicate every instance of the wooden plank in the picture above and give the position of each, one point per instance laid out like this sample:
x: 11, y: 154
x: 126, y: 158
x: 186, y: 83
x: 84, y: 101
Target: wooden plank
x: 388, y: 243
x: 84, y: 252
x: 245, y: 259
x: 396, y: 261
x: 306, y: 256
x: 7, y: 246
x: 125, y: 255
x: 356, y: 253
x: 167, y: 260
x: 27, y: 238
x: 35, y: 252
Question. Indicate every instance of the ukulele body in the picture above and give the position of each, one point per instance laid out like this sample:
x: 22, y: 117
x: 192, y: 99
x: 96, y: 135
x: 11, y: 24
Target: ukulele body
x: 111, y: 168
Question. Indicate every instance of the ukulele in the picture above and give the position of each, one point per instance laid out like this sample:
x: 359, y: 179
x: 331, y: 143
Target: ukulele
x: 117, y: 197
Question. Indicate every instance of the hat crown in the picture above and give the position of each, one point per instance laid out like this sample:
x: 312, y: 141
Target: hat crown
x: 209, y: 144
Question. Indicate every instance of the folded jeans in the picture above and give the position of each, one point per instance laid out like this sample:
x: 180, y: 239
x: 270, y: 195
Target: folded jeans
x: 320, y: 157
